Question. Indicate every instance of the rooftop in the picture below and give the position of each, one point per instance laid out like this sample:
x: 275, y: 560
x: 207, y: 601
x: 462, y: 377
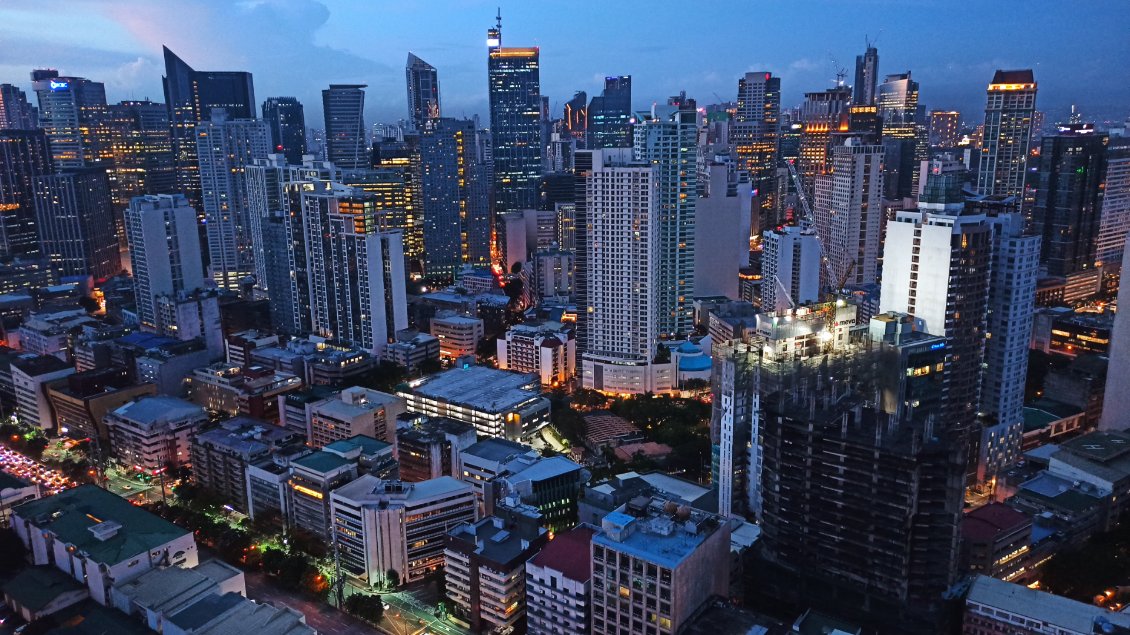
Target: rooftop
x: 72, y: 514
x: 816, y: 623
x: 569, y: 553
x: 480, y: 387
x: 1024, y: 76
x: 368, y: 489
x: 657, y: 534
x: 150, y: 411
x: 501, y: 538
x: 497, y: 449
x: 987, y: 522
x: 322, y: 462
x: 36, y: 365
x: 721, y: 617
x: 245, y: 436
x: 36, y: 587
x: 1051, y: 610
x: 169, y: 588
x: 367, y: 444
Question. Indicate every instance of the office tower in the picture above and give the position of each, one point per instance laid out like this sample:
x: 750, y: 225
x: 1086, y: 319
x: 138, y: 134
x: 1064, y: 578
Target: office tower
x: 224, y: 148
x: 1069, y: 198
x: 936, y: 267
x: 515, y: 122
x: 1008, y: 128
x: 423, y: 91
x: 356, y: 272
x: 855, y: 441
x: 1012, y: 291
x: 609, y: 122
x: 15, y: 111
x: 164, y: 250
x: 866, y: 76
x: 677, y: 557
x: 286, y: 123
x: 820, y: 116
x: 1114, y: 222
x: 575, y: 116
x: 75, y: 219
x: 455, y: 198
x: 619, y: 257
x: 143, y: 151
x: 944, y: 126
x: 485, y: 567
x: 754, y: 133
x: 395, y: 181
x: 24, y: 157
x: 790, y: 267
x: 72, y: 111
x: 667, y: 138
x: 903, y: 142
x: 849, y: 213
x: 722, y: 230
x: 190, y: 96
x: 344, y: 109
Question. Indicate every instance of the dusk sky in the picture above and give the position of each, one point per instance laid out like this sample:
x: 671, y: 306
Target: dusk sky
x: 1080, y: 50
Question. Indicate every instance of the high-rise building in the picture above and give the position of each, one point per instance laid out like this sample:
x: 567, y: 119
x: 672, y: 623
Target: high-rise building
x: 575, y: 116
x: 609, y: 123
x: 820, y: 116
x: 558, y: 584
x: 190, y: 96
x: 286, y: 123
x: 15, y: 111
x: 754, y: 133
x: 722, y: 230
x: 224, y: 148
x: 866, y: 77
x: 1116, y: 399
x: 1008, y: 129
x: 515, y: 122
x: 164, y: 249
x: 395, y: 181
x: 1069, y: 198
x: 455, y: 205
x: 143, y: 151
x: 944, y: 126
x: 790, y: 267
x: 1114, y: 222
x: 344, y: 109
x: 24, y: 158
x: 356, y: 272
x: 849, y: 212
x: 423, y: 91
x: 904, y: 137
x: 619, y: 258
x: 667, y: 138
x: 75, y: 220
x: 72, y: 111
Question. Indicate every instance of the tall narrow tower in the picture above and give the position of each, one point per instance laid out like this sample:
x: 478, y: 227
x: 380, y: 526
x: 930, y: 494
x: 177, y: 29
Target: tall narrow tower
x: 423, y: 90
x: 344, y: 109
x: 866, y: 76
x: 1008, y: 130
x: 514, y: 77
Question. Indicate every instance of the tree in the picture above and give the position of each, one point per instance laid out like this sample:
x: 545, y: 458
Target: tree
x: 367, y: 607
x: 392, y: 579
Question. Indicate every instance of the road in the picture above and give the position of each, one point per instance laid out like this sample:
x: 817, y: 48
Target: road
x: 407, y: 610
x: 50, y: 481
x: 324, y: 618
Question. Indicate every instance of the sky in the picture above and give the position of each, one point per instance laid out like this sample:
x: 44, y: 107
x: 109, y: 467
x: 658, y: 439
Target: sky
x: 1080, y: 50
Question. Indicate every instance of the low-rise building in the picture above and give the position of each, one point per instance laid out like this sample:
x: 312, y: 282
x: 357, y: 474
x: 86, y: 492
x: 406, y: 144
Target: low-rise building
x: 158, y: 593
x: 30, y: 376
x: 37, y: 592
x: 548, y: 350
x: 52, y: 333
x: 14, y: 491
x: 430, y: 447
x: 81, y: 400
x: 232, y: 390
x: 233, y: 613
x: 600, y: 499
x: 486, y: 567
x: 382, y: 526
x: 154, y: 432
x: 354, y: 411
x: 993, y: 606
x: 496, y: 403
x: 296, y: 408
x: 996, y: 541
x: 220, y: 456
x: 317, y: 361
x: 458, y: 335
x: 239, y: 346
x: 412, y: 348
x: 1049, y: 421
x: 558, y: 583
x: 100, y: 539
x: 604, y: 429
x: 268, y: 482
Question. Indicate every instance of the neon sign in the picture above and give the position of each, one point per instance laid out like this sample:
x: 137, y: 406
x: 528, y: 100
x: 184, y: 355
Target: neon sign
x: 59, y: 85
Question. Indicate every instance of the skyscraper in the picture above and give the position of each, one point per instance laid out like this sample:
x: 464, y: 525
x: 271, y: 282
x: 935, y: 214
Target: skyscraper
x: 75, y: 220
x: 790, y: 267
x: 190, y: 96
x: 1008, y: 129
x: 866, y: 77
x: 1115, y: 220
x: 356, y: 272
x: 396, y: 180
x: 72, y: 111
x: 575, y: 116
x: 344, y: 109
x: 225, y: 147
x: 143, y: 152
x: 820, y: 116
x: 849, y: 213
x: 455, y: 200
x: 609, y: 115
x: 667, y: 138
x: 1069, y: 198
x: 15, y: 111
x: 619, y: 257
x: 286, y: 123
x: 904, y: 141
x: 754, y: 132
x: 423, y: 91
x: 943, y: 128
x: 164, y: 248
x: 24, y: 157
x: 514, y: 75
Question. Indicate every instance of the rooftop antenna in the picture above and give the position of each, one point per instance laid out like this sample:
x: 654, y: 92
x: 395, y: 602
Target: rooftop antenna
x: 498, y: 18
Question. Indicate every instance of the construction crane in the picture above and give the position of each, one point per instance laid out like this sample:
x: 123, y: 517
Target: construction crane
x: 809, y: 219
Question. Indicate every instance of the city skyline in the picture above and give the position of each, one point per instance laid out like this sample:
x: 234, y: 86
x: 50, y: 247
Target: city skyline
x: 119, y: 43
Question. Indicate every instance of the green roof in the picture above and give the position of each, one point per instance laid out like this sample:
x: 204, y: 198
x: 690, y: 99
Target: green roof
x: 321, y: 461
x: 368, y: 444
x: 36, y: 587
x: 1036, y: 419
x: 71, y: 513
x: 90, y: 618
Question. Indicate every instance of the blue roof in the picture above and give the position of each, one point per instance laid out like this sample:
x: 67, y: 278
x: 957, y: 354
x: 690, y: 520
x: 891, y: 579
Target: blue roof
x: 697, y: 363
x: 687, y: 347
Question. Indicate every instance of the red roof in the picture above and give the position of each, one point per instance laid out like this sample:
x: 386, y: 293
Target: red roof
x: 986, y: 523
x: 568, y: 553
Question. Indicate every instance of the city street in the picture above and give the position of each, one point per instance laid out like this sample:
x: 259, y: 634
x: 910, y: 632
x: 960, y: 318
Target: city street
x: 50, y: 481
x: 324, y: 618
